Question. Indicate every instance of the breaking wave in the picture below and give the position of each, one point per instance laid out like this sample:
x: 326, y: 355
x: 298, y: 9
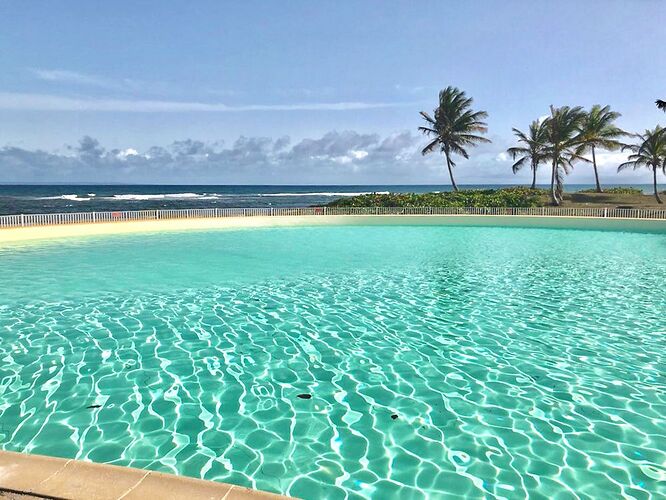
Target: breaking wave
x: 70, y: 197
x: 165, y: 196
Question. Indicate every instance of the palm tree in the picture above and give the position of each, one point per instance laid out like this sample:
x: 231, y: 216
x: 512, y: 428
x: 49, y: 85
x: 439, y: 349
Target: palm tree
x: 650, y: 152
x: 564, y: 145
x: 598, y: 131
x: 533, y: 150
x: 661, y: 104
x: 453, y: 127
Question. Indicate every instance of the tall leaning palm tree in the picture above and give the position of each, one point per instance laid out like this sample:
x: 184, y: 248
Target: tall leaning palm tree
x: 532, y: 150
x: 650, y: 152
x: 564, y: 146
x: 453, y: 127
x: 598, y: 131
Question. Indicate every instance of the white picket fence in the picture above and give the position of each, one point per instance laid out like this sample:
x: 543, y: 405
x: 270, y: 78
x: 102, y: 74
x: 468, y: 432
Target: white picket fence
x: 29, y: 220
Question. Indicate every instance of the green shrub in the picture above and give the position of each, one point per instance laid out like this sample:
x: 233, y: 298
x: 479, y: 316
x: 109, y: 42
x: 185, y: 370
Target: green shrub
x: 615, y: 190
x: 506, y: 197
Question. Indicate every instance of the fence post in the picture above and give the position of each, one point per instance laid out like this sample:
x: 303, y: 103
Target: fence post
x: 272, y: 211
x: 605, y: 211
x: 22, y: 220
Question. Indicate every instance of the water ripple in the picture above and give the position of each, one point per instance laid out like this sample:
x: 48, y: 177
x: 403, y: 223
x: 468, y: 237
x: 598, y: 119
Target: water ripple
x: 430, y: 381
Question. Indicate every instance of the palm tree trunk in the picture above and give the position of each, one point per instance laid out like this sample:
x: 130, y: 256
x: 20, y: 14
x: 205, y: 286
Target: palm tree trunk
x: 596, y: 174
x: 553, y: 193
x: 534, y: 169
x: 654, y: 182
x: 448, y: 164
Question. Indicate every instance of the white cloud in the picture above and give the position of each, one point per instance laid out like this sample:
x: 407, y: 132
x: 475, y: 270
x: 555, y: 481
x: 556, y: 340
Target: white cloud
x: 335, y: 157
x: 610, y: 158
x: 503, y: 156
x: 123, y: 154
x: 342, y: 160
x: 65, y: 76
x: 48, y: 102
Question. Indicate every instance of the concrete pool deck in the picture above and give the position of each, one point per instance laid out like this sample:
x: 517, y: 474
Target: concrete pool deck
x: 18, y: 234
x: 37, y: 476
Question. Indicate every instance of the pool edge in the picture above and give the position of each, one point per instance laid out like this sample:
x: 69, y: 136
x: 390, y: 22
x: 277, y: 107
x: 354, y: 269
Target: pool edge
x: 50, y: 477
x: 19, y: 234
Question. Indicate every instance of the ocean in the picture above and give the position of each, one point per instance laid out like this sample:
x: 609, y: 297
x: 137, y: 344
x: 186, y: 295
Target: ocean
x: 27, y: 199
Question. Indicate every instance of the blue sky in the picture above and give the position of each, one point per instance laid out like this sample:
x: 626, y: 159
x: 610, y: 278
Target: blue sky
x: 316, y: 91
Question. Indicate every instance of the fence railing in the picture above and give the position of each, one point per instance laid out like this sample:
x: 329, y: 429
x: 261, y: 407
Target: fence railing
x: 30, y: 220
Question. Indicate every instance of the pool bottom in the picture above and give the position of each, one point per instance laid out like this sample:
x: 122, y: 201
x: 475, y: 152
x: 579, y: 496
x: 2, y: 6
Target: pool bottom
x: 533, y: 367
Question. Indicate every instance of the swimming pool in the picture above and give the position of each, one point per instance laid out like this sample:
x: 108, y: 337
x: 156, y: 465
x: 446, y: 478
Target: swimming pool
x: 367, y: 361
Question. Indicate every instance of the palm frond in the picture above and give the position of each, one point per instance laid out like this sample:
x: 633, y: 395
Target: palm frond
x: 459, y: 150
x: 626, y: 165
x: 430, y: 147
x: 427, y: 130
x: 649, y: 150
x: 454, y: 124
x: 564, y: 142
x: 517, y: 150
x: 598, y: 130
x: 519, y: 164
x: 471, y: 139
x: 533, y: 146
x: 427, y: 117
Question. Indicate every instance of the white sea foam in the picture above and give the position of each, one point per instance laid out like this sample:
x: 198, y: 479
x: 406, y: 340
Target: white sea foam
x: 70, y: 197
x: 201, y: 196
x: 164, y: 196
x: 214, y: 196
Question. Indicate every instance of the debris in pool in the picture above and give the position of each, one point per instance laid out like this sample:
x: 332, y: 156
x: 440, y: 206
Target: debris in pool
x: 305, y: 396
x: 394, y: 416
x: 93, y: 406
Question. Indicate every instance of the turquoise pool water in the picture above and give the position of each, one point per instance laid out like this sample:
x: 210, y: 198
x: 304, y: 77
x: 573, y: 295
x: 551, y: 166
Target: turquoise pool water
x: 441, y: 361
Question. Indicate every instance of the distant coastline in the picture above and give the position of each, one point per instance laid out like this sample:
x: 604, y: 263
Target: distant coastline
x: 54, y: 198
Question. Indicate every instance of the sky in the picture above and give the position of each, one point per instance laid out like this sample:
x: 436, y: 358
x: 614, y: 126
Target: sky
x: 326, y: 92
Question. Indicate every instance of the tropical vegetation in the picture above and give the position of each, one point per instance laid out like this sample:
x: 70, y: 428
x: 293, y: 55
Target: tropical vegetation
x: 649, y: 151
x: 568, y: 135
x: 532, y: 150
x: 564, y: 146
x: 453, y: 127
x: 598, y: 131
x: 616, y: 190
x: 507, y: 197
